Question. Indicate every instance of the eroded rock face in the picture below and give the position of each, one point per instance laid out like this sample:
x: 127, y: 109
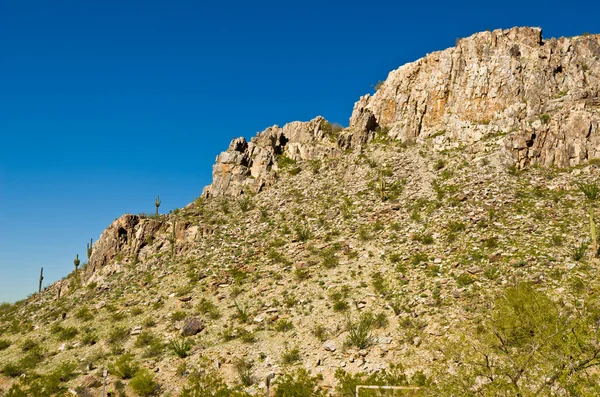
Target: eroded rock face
x: 250, y: 166
x: 543, y: 94
x: 125, y: 238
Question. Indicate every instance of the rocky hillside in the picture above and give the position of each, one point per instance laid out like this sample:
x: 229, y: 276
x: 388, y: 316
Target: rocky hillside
x: 441, y: 242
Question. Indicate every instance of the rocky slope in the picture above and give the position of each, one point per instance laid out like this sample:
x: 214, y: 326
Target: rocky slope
x: 418, y: 214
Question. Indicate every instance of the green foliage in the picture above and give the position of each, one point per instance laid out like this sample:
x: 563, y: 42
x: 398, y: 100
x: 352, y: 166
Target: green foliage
x: 84, y: 314
x: 144, y: 384
x: 208, y: 308
x: 125, y: 367
x: 284, y: 325
x: 242, y: 311
x: 299, y: 384
x: 209, y: 384
x: 359, y: 331
x: 118, y: 335
x: 290, y: 356
x: 181, y: 347
x: 578, y: 251
x: 545, y: 118
x: 284, y: 161
x: 320, y: 332
x: 303, y: 232
x: 394, y: 376
x: 591, y: 191
x: 530, y: 345
x: 245, y: 203
x: 245, y: 371
x: 178, y: 316
x: 4, y: 344
x: 50, y: 384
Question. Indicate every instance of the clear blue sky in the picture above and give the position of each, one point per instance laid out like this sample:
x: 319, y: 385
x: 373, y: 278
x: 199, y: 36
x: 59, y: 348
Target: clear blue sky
x: 105, y: 104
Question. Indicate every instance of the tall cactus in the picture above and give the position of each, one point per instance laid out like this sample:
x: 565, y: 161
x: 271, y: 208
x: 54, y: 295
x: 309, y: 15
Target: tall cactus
x: 382, y: 186
x: 592, y: 193
x: 41, y: 278
x: 76, y: 262
x: 157, y: 204
x: 89, y: 249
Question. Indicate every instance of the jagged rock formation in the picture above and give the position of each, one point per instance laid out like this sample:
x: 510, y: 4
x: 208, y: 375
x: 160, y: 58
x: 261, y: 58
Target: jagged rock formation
x: 252, y: 165
x: 543, y: 95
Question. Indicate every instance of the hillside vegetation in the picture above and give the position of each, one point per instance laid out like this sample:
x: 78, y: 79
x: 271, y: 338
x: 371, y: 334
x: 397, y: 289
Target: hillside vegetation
x: 450, y: 271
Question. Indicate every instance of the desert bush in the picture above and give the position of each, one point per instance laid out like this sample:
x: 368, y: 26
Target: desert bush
x: 290, y: 356
x: 359, y: 331
x: 181, y: 347
x: 284, y: 325
x: 208, y: 308
x: 528, y: 344
x: 347, y: 382
x: 4, y: 344
x: 125, y: 367
x: 118, y: 335
x: 299, y: 384
x: 144, y: 384
x: 209, y: 384
x: 245, y: 371
x: 84, y: 314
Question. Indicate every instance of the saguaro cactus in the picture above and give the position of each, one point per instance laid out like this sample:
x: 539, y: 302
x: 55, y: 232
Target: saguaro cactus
x: 41, y: 278
x: 382, y: 186
x: 89, y: 249
x: 592, y: 193
x: 157, y: 204
x: 76, y: 262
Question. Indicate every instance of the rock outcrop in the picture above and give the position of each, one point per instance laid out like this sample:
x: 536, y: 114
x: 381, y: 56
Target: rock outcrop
x: 542, y: 94
x: 250, y: 166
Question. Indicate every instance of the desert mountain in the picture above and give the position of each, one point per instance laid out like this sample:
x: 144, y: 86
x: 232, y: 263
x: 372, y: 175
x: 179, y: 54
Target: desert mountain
x: 443, y: 242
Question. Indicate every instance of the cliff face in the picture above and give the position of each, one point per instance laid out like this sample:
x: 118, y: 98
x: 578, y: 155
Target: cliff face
x: 250, y: 166
x: 542, y: 95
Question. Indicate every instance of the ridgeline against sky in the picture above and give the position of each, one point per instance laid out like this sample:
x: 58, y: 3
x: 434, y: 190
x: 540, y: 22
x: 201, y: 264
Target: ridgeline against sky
x: 104, y: 107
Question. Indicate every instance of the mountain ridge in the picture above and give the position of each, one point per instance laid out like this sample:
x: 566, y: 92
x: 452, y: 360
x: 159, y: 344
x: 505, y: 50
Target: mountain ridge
x: 420, y: 213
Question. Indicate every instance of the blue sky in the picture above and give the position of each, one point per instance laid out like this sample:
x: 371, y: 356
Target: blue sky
x: 106, y: 104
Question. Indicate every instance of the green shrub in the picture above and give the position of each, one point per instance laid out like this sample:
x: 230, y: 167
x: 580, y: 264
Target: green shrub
x: 84, y: 314
x: 299, y: 384
x: 181, y: 347
x: 29, y: 345
x: 125, y: 367
x: 242, y: 312
x: 178, y: 316
x: 284, y: 325
x: 290, y: 356
x: 13, y: 369
x: 4, y: 344
x: 118, y: 335
x: 359, y: 332
x: 209, y: 384
x: 208, y: 308
x: 144, y: 384
x: 578, y: 252
x: 244, y: 369
x: 347, y: 382
x: 303, y: 232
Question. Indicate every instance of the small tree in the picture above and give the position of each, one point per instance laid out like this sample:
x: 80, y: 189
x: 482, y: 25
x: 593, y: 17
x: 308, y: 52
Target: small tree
x: 592, y: 193
x: 529, y: 345
x: 157, y: 204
